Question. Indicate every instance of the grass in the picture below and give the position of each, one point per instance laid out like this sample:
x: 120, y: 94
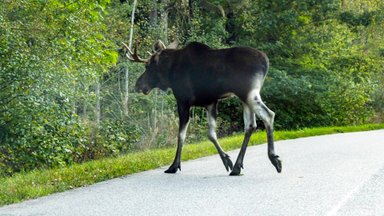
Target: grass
x: 39, y: 183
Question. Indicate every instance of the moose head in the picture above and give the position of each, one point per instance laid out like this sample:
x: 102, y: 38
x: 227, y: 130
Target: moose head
x: 157, y: 66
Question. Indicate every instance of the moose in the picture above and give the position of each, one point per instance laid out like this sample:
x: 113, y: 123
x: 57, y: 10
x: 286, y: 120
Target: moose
x: 200, y: 76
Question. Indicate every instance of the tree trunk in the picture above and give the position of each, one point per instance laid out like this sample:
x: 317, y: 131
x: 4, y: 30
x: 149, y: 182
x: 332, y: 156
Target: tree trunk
x: 343, y: 4
x: 97, y: 108
x: 132, y: 22
x: 190, y: 9
x: 154, y: 111
x: 153, y: 15
x: 126, y: 80
x: 126, y: 92
x: 164, y: 23
x: 85, y: 106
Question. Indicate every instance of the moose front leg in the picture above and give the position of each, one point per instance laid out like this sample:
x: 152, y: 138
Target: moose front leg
x: 183, y: 111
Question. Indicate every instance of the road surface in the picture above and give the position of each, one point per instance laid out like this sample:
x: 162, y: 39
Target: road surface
x: 340, y: 174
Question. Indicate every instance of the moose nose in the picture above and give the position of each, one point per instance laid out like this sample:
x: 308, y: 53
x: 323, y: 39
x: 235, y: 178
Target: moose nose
x: 142, y: 88
x: 146, y: 91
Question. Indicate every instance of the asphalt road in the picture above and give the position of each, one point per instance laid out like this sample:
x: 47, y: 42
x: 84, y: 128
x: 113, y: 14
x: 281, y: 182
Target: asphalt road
x: 339, y: 174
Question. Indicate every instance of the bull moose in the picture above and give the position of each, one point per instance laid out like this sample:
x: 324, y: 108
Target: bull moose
x: 200, y: 76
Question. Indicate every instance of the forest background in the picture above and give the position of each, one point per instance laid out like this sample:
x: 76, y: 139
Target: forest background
x: 66, y: 89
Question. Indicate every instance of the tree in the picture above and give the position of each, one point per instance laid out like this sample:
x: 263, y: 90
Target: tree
x: 47, y: 48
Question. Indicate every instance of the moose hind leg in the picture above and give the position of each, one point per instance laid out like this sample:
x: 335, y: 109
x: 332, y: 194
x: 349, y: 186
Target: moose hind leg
x: 249, y: 127
x: 267, y: 116
x: 212, y: 114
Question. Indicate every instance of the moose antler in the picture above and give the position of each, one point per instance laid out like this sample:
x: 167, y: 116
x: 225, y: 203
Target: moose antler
x: 133, y: 56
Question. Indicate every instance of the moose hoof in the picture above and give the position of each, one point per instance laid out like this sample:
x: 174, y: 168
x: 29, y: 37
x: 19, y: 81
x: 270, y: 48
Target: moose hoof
x: 276, y: 162
x: 236, y: 170
x: 227, y: 162
x: 173, y: 168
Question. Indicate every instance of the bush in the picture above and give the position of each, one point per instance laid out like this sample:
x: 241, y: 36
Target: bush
x: 39, y: 136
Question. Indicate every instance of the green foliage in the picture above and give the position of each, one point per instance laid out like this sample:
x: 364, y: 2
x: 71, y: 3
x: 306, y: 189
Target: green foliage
x: 47, y: 48
x: 63, y: 96
x: 288, y: 97
x: 313, y: 55
x: 114, y: 137
x: 230, y: 116
x: 206, y: 28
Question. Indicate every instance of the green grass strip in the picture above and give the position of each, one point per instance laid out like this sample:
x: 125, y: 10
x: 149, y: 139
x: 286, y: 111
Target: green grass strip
x: 39, y: 183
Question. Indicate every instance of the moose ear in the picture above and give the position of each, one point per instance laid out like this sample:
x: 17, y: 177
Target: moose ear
x: 173, y: 45
x: 158, y: 46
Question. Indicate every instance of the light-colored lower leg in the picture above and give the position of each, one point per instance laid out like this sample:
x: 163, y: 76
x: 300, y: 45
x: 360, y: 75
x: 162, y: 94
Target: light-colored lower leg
x: 249, y: 117
x: 249, y: 126
x: 211, y: 115
x: 267, y: 116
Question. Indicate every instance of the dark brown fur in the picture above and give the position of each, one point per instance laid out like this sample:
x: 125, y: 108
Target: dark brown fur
x: 200, y: 76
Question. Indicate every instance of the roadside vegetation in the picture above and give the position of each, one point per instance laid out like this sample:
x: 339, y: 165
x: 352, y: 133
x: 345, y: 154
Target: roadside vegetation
x: 23, y: 186
x: 69, y: 115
